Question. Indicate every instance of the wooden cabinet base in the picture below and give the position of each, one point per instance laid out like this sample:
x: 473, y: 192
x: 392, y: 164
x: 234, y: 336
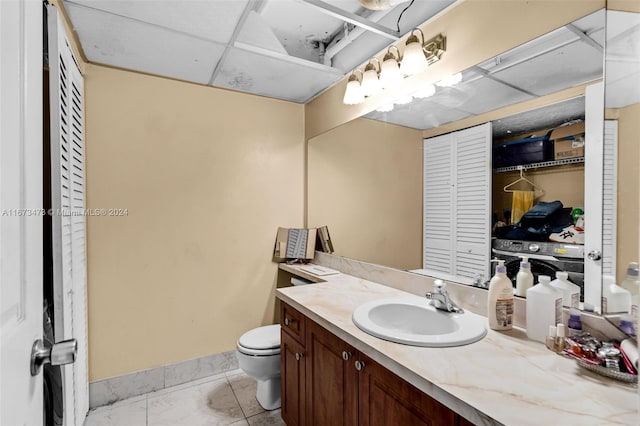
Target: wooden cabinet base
x: 326, y: 382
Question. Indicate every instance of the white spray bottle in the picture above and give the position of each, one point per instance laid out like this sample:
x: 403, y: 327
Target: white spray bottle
x: 500, y: 303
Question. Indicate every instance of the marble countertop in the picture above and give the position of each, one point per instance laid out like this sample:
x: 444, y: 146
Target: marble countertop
x: 503, y: 379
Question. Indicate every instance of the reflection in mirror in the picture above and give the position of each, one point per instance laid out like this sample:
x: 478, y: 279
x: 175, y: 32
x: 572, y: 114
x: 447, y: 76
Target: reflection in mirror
x: 622, y: 103
x: 365, y: 178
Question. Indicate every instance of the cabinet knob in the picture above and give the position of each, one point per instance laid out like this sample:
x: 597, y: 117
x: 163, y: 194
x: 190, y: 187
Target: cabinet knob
x: 299, y: 356
x: 287, y: 321
x: 346, y: 355
x: 359, y: 365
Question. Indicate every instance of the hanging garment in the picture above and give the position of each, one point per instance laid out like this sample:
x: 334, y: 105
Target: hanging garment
x: 522, y: 202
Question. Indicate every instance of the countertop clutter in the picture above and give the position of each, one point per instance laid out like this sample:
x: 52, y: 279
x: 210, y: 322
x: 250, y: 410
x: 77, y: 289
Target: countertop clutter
x: 503, y: 379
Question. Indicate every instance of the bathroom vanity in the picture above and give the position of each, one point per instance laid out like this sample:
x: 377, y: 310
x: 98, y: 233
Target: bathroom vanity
x: 334, y: 373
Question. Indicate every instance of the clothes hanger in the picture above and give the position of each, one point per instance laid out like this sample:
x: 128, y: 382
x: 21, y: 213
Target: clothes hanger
x: 536, y: 189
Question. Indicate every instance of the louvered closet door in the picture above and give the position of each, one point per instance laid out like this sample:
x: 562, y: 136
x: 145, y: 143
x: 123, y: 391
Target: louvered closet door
x: 473, y: 202
x: 457, y: 204
x: 609, y: 197
x: 68, y: 203
x: 438, y: 188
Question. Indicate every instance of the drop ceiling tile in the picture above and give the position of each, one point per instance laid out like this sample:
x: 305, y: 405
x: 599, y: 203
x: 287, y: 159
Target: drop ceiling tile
x: 622, y: 59
x: 113, y: 40
x: 421, y: 114
x: 558, y: 69
x: 280, y: 78
x: 593, y: 25
x: 483, y: 95
x: 530, y: 49
x: 211, y: 20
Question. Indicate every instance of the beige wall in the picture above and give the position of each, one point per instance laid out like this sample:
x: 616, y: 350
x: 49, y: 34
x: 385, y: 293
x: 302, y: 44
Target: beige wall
x: 207, y: 176
x: 628, y: 218
x: 365, y: 184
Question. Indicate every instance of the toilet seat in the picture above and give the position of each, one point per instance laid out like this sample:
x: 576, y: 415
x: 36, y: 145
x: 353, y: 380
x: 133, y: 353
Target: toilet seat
x: 261, y: 341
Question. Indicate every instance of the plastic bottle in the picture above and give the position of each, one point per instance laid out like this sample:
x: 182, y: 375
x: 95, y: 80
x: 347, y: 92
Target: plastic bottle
x: 615, y: 299
x: 632, y: 284
x: 500, y: 303
x: 544, y: 308
x: 524, y: 278
x: 575, y: 322
x: 570, y: 291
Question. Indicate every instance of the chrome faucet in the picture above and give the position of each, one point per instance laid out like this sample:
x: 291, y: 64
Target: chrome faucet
x: 441, y: 300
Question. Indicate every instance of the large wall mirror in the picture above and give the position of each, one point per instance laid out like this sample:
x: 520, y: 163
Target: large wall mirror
x: 365, y: 177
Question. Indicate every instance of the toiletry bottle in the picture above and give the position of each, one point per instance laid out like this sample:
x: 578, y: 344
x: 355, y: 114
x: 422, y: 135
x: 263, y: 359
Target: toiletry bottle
x: 544, y: 308
x: 560, y: 335
x: 575, y: 322
x: 626, y: 325
x: 570, y: 291
x: 500, y: 303
x: 524, y: 278
x: 551, y: 338
x: 632, y: 284
x: 615, y: 299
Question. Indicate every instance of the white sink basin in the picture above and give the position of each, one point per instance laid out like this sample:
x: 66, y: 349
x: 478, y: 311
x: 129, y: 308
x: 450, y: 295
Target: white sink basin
x: 413, y: 321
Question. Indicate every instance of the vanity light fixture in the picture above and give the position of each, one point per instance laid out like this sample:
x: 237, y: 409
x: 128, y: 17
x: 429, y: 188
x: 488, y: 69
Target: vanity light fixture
x: 418, y: 55
x: 353, y: 94
x: 390, y: 75
x: 370, y: 82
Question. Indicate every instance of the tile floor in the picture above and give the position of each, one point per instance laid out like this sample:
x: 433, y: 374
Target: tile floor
x: 224, y: 399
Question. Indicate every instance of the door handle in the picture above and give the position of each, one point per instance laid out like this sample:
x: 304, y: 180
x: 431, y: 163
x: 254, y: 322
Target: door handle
x: 60, y: 353
x: 594, y: 255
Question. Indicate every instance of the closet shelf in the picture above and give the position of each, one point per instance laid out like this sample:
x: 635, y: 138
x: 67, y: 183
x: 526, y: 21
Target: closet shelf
x: 539, y: 165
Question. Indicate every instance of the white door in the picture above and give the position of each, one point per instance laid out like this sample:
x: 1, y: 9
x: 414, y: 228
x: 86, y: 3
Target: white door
x: 593, y: 183
x: 20, y: 199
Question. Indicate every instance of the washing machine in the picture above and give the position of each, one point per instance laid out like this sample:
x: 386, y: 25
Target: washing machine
x: 546, y: 258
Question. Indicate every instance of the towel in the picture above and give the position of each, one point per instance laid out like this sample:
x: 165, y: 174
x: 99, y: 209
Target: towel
x: 522, y: 202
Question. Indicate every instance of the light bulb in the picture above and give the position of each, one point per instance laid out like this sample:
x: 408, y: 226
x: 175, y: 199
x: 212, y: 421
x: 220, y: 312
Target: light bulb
x: 414, y: 60
x: 370, y: 83
x: 353, y: 94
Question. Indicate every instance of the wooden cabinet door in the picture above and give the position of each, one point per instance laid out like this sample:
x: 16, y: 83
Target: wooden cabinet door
x: 331, y: 379
x: 387, y: 400
x: 292, y: 380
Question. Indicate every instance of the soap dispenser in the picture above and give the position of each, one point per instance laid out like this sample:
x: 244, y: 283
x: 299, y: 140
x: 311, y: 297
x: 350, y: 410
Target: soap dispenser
x: 500, y: 303
x: 570, y: 291
x: 544, y: 308
x: 524, y: 278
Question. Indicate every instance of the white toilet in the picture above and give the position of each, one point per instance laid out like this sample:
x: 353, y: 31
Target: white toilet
x: 259, y: 356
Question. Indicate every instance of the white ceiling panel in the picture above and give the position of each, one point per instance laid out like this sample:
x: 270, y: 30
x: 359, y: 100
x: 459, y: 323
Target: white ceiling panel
x: 112, y: 40
x: 558, y: 69
x: 420, y: 114
x: 593, y: 26
x: 484, y: 94
x: 212, y: 20
x: 301, y: 27
x: 622, y: 59
x: 273, y: 77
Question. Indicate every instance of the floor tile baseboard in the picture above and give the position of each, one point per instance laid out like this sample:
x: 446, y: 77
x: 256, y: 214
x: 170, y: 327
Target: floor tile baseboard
x: 107, y: 391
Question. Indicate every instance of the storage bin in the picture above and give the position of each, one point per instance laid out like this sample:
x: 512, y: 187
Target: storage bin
x: 523, y: 151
